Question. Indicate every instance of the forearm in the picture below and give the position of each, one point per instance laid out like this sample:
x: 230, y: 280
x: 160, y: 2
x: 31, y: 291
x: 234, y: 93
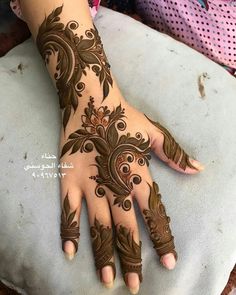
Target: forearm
x: 73, y: 52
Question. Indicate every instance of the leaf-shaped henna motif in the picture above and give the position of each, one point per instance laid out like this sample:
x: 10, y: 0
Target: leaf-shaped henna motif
x: 116, y: 152
x: 158, y: 223
x: 102, y: 244
x: 75, y: 54
x: 172, y: 149
x: 129, y: 251
x: 69, y: 228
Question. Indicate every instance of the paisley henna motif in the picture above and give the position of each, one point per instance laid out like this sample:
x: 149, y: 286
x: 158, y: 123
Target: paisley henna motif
x: 75, y: 54
x: 102, y: 244
x: 69, y: 228
x: 158, y: 223
x: 129, y: 252
x: 116, y: 152
x: 172, y: 149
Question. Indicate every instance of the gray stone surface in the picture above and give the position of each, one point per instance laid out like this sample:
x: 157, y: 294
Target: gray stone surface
x: 160, y: 77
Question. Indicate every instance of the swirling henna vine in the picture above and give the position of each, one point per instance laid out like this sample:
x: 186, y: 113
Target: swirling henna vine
x: 117, y: 152
x: 74, y: 55
x: 69, y: 228
x: 158, y: 223
x: 172, y: 149
x: 102, y: 244
x: 129, y: 252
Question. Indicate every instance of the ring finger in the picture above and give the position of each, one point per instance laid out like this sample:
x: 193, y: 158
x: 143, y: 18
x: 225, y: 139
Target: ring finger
x: 157, y: 221
x: 102, y: 237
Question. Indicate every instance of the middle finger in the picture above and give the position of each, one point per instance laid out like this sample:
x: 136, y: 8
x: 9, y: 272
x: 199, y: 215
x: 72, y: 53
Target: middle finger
x: 127, y: 243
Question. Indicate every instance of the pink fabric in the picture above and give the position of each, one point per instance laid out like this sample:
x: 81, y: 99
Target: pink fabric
x: 15, y: 5
x: 209, y: 28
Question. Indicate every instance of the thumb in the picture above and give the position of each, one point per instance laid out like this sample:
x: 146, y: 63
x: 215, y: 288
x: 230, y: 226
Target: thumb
x: 168, y: 150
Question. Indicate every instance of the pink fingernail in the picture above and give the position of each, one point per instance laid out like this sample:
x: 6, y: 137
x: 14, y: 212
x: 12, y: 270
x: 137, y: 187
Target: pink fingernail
x: 197, y: 165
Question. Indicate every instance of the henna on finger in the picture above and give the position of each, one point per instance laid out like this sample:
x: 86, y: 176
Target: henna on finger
x: 70, y: 230
x: 116, y: 152
x: 103, y: 247
x: 158, y: 223
x: 75, y: 55
x: 172, y: 149
x: 129, y: 252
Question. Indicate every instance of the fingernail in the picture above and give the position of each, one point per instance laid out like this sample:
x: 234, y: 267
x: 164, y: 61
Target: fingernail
x: 168, y: 261
x: 69, y: 250
x: 107, y: 276
x: 69, y: 256
x: 133, y: 283
x: 197, y: 165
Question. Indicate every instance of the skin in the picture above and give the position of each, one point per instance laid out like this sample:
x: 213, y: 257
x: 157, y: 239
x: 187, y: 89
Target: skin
x: 110, y: 164
x: 69, y: 226
x: 103, y: 248
x: 158, y: 223
x: 76, y: 54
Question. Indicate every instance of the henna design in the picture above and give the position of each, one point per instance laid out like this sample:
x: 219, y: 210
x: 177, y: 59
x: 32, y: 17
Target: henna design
x: 102, y: 244
x: 69, y: 228
x: 158, y: 223
x: 74, y: 54
x: 129, y: 252
x: 100, y: 130
x: 172, y: 149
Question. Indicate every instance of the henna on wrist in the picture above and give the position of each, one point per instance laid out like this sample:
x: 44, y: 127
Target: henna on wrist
x: 75, y: 55
x: 69, y: 229
x: 102, y: 244
x: 129, y: 252
x: 158, y: 223
x: 172, y: 149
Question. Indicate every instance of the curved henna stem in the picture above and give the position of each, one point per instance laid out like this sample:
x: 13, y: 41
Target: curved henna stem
x: 100, y: 130
x: 75, y: 55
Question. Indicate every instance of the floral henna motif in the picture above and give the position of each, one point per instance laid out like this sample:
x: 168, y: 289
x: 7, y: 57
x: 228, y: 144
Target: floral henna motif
x: 129, y: 252
x: 158, y: 223
x: 102, y: 244
x: 74, y: 54
x: 69, y: 228
x: 172, y: 149
x: 116, y: 152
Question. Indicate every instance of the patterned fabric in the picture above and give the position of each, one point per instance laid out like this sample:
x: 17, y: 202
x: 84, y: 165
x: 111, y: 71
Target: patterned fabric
x: 207, y: 26
x: 15, y: 5
x: 204, y: 3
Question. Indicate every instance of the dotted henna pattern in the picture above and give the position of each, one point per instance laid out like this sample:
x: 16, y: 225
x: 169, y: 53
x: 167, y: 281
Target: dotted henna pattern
x: 116, y: 152
x: 158, y: 223
x: 69, y: 228
x: 75, y: 54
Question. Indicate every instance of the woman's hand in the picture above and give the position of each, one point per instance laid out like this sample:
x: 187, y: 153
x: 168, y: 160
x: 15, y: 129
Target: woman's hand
x: 109, y: 146
x: 108, y: 143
